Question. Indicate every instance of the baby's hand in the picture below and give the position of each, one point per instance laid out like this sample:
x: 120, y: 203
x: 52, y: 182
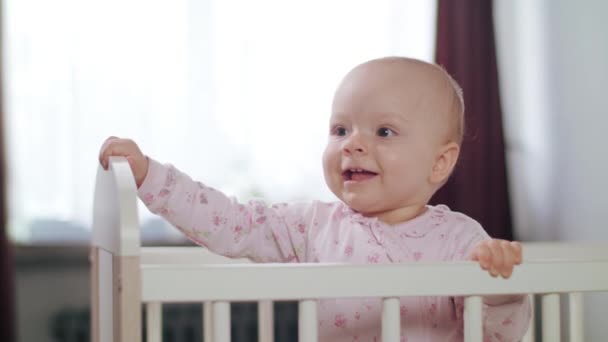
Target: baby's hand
x: 114, y: 146
x: 497, y: 256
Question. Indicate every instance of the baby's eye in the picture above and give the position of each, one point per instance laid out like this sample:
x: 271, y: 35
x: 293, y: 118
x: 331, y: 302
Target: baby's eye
x: 385, y: 132
x: 339, y: 131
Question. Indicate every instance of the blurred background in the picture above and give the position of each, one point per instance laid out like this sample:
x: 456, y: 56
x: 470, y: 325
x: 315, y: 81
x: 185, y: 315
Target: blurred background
x: 237, y: 93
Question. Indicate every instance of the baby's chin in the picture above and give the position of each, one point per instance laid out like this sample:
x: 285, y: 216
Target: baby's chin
x: 361, y: 206
x: 381, y: 210
x: 365, y: 204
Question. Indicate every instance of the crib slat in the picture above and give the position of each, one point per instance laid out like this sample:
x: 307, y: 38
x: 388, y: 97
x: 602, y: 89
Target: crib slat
x: 265, y: 321
x: 221, y: 321
x: 551, y: 320
x: 529, y: 336
x: 391, y: 321
x: 473, y: 328
x: 307, y: 321
x: 154, y: 321
x: 207, y: 322
x: 575, y: 302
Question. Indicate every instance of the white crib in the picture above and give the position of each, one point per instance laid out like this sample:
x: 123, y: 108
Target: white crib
x: 124, y: 276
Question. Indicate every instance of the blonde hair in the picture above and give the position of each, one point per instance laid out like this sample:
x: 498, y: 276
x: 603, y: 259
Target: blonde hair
x: 456, y: 108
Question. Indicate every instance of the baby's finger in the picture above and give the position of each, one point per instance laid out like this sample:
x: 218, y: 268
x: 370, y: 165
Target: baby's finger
x: 497, y: 257
x: 509, y: 259
x: 102, y: 155
x: 516, y: 247
x: 483, y: 255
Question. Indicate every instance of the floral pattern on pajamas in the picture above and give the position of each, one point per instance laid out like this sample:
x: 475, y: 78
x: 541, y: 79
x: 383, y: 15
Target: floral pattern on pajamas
x: 332, y: 232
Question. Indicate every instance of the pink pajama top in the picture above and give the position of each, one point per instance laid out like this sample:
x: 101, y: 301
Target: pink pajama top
x: 332, y: 232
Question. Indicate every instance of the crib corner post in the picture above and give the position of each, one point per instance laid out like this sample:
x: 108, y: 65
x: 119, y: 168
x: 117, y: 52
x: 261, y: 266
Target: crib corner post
x: 115, y: 257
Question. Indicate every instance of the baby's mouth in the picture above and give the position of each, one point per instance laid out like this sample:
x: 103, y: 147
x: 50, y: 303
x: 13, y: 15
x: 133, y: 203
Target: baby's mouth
x: 357, y: 175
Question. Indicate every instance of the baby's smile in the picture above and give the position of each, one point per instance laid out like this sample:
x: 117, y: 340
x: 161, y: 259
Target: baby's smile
x: 357, y: 175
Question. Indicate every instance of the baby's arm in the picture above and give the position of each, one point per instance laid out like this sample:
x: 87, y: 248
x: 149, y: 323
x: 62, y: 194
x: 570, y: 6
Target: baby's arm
x: 207, y: 216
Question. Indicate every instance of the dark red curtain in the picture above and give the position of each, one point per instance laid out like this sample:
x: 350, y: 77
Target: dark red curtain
x: 465, y: 48
x: 7, y: 316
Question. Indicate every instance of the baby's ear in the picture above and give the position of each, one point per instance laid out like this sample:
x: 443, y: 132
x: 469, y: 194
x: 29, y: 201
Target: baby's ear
x: 446, y: 158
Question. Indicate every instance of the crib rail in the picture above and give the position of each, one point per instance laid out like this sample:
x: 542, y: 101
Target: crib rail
x: 175, y: 283
x: 125, y: 275
x: 533, y: 251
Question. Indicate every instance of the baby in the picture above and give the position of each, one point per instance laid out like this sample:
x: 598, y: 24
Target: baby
x: 394, y: 138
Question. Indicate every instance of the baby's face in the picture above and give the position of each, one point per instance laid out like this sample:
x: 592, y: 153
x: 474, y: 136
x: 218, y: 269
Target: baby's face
x: 383, y: 141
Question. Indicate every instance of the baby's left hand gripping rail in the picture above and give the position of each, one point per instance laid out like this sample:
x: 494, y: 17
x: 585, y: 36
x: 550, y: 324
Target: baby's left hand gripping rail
x: 115, y: 256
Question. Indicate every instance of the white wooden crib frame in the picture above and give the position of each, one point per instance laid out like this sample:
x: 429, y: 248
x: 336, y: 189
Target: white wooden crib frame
x: 125, y: 275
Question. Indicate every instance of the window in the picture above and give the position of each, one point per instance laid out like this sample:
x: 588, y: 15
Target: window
x: 236, y: 93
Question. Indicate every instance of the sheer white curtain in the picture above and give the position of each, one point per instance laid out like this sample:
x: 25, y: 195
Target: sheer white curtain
x: 522, y: 47
x: 552, y: 57
x: 236, y: 93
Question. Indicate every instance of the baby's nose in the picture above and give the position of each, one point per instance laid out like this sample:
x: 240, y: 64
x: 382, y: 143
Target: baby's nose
x: 355, y: 144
